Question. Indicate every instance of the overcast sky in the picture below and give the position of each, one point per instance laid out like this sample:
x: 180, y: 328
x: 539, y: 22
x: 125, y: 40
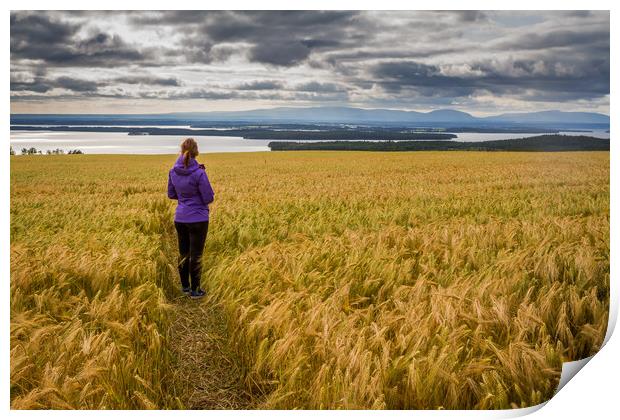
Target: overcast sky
x: 143, y: 62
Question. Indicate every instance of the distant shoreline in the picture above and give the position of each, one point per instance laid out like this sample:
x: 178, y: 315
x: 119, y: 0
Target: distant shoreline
x: 546, y: 143
x: 257, y: 133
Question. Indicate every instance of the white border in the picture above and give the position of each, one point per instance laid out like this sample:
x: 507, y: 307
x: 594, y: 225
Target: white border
x: 591, y: 394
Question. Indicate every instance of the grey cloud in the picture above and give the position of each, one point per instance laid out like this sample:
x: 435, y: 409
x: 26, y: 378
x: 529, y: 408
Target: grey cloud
x: 578, y: 13
x: 257, y: 95
x: 67, y: 97
x: 559, y: 38
x: 76, y: 85
x: 41, y: 37
x: 279, y: 38
x: 279, y: 53
x: 169, y: 17
x: 148, y: 80
x: 199, y: 53
x: 397, y: 58
x: 218, y: 95
x: 260, y: 85
x: 586, y: 80
x: 37, y: 85
x: 471, y: 15
x: 340, y: 96
x: 222, y: 53
x: 41, y: 98
x: 252, y: 19
x: 260, y: 25
x: 42, y: 85
x: 363, y: 55
x: 320, y: 43
x: 200, y: 94
x: 319, y: 87
x: 28, y: 29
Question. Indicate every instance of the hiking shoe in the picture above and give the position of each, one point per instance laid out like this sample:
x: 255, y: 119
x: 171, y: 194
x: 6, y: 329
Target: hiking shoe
x: 197, y: 294
x: 186, y: 291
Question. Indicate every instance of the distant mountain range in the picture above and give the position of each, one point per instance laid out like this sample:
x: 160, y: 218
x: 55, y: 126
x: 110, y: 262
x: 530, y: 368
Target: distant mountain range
x: 552, y: 117
x: 358, y: 115
x: 334, y: 115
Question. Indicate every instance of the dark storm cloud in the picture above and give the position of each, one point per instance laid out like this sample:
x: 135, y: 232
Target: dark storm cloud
x: 551, y: 79
x: 37, y: 85
x: 148, y: 80
x: 28, y: 29
x: 394, y: 76
x: 53, y: 41
x: 320, y: 43
x: 76, y: 85
x: 260, y: 85
x: 36, y: 36
x: 262, y: 25
x: 42, y: 85
x: 279, y: 38
x: 280, y: 53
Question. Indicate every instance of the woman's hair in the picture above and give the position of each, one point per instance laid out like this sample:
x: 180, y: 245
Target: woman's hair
x: 189, y: 149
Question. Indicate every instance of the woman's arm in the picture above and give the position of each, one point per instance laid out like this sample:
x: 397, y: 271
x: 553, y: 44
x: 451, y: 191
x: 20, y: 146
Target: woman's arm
x: 172, y: 193
x: 204, y: 186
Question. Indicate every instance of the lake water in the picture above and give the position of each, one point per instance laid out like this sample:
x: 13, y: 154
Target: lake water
x: 97, y: 143
x: 112, y: 143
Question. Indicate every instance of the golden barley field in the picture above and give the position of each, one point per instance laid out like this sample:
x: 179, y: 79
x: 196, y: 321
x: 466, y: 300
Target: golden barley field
x: 341, y: 279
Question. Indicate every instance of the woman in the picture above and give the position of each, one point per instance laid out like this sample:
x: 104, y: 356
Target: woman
x: 188, y: 183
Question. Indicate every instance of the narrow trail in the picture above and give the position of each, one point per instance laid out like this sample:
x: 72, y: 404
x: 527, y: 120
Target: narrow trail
x: 205, y: 374
x: 205, y: 371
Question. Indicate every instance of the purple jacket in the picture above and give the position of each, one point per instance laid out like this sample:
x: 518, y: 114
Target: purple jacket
x: 191, y: 187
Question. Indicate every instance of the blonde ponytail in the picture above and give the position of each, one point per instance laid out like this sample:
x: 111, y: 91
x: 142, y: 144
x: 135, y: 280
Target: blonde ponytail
x: 186, y: 158
x: 189, y: 149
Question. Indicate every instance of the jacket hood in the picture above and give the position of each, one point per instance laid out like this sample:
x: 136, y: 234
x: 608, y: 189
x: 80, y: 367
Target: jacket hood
x: 180, y: 169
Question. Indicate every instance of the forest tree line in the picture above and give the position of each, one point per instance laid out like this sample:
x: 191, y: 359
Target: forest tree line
x: 35, y: 151
x: 546, y: 143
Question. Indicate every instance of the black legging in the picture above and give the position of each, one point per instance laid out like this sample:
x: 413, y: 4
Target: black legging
x: 192, y: 238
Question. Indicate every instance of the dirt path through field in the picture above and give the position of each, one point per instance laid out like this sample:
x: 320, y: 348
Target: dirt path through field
x: 206, y: 374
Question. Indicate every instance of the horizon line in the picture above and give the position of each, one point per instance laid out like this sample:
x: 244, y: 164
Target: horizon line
x: 316, y: 107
